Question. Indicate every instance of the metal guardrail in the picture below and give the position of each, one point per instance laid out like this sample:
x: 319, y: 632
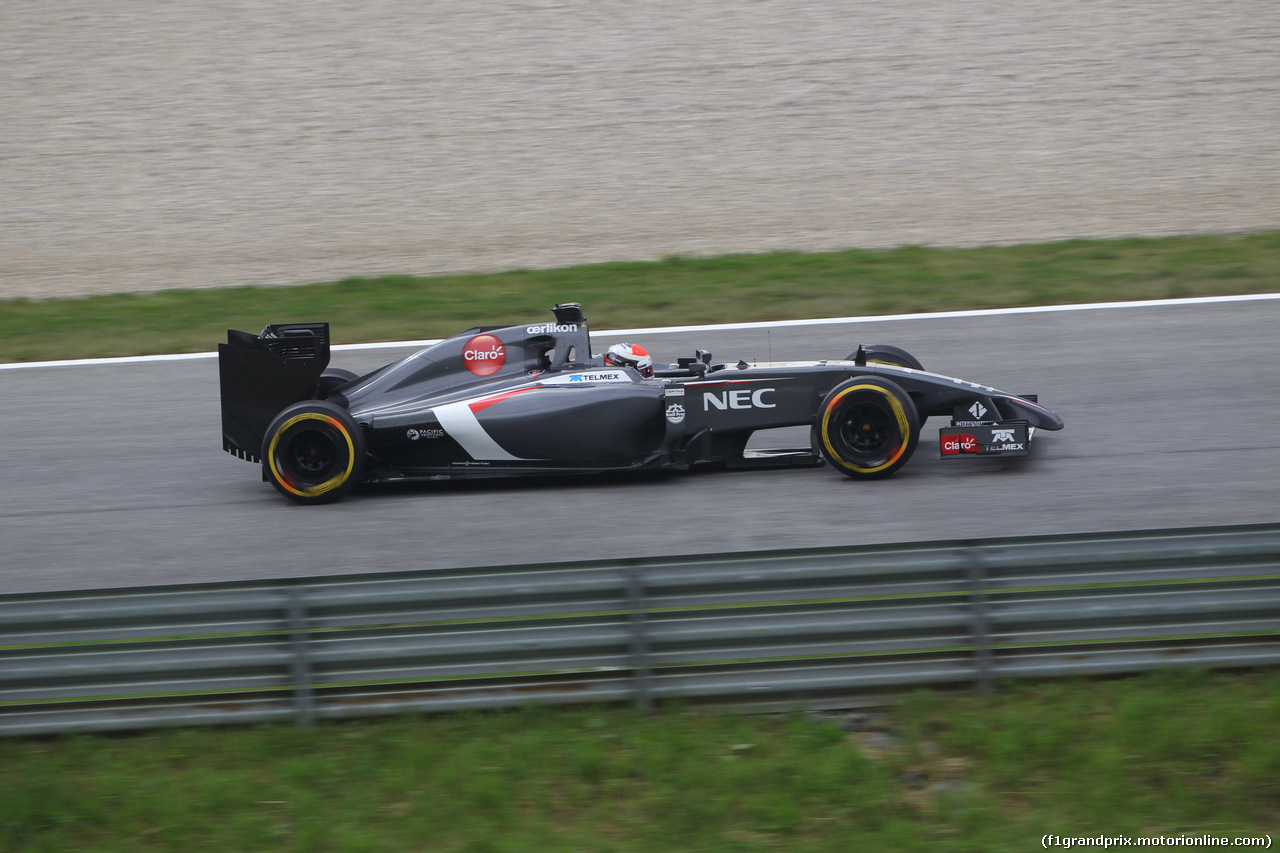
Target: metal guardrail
x: 819, y: 626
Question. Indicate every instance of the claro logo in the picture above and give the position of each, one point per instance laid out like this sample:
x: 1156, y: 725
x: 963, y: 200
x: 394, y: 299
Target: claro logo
x: 963, y: 443
x: 484, y: 355
x: 743, y: 399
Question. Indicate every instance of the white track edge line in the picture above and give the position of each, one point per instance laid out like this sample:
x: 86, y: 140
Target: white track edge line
x: 716, y: 327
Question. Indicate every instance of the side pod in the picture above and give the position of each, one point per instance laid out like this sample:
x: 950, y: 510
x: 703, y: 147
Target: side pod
x: 261, y: 375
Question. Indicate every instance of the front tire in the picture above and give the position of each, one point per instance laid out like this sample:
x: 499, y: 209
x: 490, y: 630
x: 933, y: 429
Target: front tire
x: 867, y: 428
x: 313, y: 452
x: 887, y: 354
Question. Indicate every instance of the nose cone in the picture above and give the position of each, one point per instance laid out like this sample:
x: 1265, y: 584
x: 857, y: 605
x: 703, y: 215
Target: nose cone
x: 1037, y: 415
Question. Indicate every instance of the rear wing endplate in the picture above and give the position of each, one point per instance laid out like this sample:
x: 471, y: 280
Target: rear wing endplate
x: 261, y: 375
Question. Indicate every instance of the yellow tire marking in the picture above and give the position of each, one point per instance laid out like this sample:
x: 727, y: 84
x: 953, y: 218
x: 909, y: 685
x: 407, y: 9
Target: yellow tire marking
x: 899, y: 414
x: 330, y: 484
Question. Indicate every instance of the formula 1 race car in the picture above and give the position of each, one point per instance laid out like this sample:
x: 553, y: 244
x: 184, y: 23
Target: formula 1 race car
x: 533, y: 399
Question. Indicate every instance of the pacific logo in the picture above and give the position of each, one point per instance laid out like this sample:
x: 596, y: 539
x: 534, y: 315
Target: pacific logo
x: 484, y: 355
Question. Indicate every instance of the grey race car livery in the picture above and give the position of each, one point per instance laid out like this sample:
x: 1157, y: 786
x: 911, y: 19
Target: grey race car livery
x: 532, y: 399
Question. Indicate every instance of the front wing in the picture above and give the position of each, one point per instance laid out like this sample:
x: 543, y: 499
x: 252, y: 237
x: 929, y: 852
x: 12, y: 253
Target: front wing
x: 1010, y: 438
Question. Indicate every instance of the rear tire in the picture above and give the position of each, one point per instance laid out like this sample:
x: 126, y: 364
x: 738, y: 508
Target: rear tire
x: 332, y: 379
x: 867, y: 428
x: 313, y: 452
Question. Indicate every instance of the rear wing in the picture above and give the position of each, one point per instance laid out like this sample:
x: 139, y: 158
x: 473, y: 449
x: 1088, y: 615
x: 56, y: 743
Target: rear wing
x: 261, y: 375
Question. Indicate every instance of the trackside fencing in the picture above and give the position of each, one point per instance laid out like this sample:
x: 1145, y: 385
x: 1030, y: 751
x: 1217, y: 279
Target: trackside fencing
x: 818, y: 627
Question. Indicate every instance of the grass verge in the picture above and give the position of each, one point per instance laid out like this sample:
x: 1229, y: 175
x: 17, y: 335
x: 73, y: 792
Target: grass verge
x: 678, y: 290
x: 1162, y: 754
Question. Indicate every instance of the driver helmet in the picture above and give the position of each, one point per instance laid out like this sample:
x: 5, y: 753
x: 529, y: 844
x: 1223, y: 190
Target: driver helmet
x: 630, y: 355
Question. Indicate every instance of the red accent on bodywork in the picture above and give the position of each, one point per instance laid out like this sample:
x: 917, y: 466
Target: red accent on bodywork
x: 480, y: 405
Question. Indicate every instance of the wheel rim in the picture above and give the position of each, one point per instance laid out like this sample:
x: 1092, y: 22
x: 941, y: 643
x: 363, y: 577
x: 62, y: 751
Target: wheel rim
x: 867, y: 432
x: 311, y: 455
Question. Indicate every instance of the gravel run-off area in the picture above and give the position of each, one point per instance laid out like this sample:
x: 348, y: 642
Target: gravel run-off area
x: 149, y: 145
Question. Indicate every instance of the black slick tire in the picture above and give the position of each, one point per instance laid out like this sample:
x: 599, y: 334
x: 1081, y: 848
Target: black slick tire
x: 332, y: 379
x: 313, y: 452
x: 887, y: 354
x: 867, y: 428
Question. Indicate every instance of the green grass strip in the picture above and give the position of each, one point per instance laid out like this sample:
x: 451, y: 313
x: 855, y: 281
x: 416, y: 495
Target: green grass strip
x: 677, y: 290
x: 1170, y: 753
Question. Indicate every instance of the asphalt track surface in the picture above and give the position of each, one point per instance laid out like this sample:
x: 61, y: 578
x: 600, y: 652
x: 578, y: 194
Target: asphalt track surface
x: 115, y: 475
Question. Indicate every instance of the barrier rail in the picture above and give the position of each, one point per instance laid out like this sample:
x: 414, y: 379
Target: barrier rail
x: 824, y: 626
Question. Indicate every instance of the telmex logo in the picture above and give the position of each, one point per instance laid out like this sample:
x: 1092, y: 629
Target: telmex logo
x: 742, y: 399
x: 587, y: 378
x: 550, y: 329
x: 613, y: 376
x: 484, y: 355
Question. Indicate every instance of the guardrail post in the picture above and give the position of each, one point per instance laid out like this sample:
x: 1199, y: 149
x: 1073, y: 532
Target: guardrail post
x: 304, y: 708
x: 639, y: 641
x: 980, y: 625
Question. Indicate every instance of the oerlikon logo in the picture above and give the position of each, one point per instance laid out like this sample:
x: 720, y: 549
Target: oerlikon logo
x: 484, y: 355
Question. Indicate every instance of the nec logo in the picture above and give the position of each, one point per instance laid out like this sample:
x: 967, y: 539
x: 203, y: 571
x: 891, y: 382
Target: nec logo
x: 742, y: 399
